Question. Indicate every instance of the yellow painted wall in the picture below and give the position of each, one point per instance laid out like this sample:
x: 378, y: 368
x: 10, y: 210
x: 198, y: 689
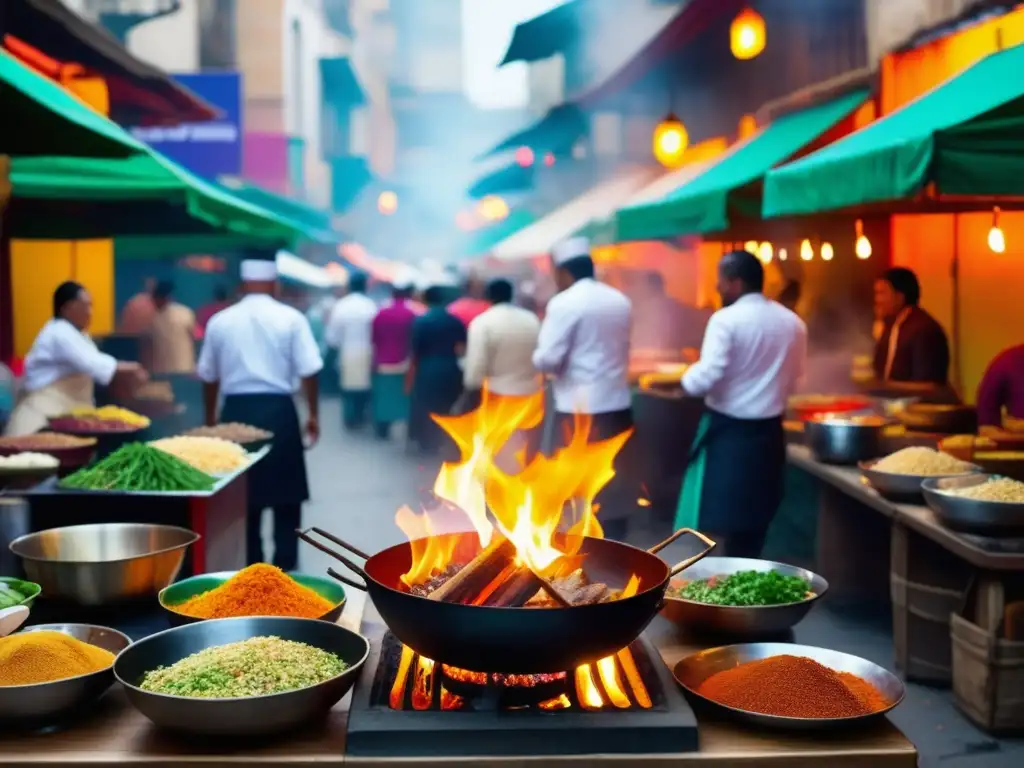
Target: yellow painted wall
x: 990, y: 285
x: 39, y: 266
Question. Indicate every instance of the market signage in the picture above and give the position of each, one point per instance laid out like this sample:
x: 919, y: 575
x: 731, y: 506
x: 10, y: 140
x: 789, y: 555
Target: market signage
x: 208, y: 149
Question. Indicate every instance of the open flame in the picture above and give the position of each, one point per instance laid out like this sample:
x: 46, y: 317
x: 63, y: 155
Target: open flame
x: 525, y: 503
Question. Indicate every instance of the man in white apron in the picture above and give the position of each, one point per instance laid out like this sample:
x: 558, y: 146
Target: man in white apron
x: 350, y: 331
x: 63, y: 365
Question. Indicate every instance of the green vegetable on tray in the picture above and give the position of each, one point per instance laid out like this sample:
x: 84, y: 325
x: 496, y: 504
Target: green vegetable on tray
x: 744, y: 589
x: 14, y: 592
x: 139, y: 467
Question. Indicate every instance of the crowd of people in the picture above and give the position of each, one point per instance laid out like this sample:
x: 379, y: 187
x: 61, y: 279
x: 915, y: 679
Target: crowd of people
x: 405, y: 361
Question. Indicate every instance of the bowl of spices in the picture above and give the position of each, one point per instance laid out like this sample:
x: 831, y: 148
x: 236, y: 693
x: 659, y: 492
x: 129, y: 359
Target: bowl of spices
x: 786, y: 686
x: 50, y: 672
x: 241, y: 677
x: 259, y: 590
x: 742, y: 596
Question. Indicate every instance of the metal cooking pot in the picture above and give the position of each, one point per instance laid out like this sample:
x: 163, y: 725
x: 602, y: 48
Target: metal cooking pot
x: 517, y: 640
x: 844, y: 441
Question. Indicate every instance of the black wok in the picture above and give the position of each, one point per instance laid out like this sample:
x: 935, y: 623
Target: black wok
x: 518, y: 640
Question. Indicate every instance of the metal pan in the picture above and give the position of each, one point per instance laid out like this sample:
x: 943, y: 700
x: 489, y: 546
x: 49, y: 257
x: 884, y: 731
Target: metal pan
x: 517, y: 640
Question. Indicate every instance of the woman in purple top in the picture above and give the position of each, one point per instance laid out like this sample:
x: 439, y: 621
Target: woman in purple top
x: 1001, y: 387
x: 391, y: 334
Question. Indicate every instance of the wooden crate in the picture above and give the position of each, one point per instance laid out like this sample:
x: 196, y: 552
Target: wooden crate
x: 988, y: 677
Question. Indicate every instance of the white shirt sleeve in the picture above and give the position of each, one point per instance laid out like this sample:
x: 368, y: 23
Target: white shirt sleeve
x: 82, y: 354
x: 333, y: 326
x: 305, y: 353
x: 701, y: 377
x: 800, y: 354
x: 475, y: 363
x: 206, y: 368
x: 555, y: 340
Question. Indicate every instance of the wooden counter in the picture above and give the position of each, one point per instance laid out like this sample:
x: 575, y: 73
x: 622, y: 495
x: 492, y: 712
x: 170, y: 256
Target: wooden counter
x: 116, y: 735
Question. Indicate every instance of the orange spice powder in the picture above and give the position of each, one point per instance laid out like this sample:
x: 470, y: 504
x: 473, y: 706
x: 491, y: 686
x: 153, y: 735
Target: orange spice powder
x: 259, y: 590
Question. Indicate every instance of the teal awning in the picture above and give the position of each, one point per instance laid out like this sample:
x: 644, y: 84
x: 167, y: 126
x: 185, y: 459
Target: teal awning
x: 556, y: 132
x: 510, y: 178
x: 965, y: 136
x: 544, y: 36
x: 39, y: 117
x: 732, y: 183
x: 483, y: 240
x: 316, y: 223
x: 340, y: 83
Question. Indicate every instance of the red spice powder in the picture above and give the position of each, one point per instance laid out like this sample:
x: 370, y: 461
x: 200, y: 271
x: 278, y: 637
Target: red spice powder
x: 791, y: 686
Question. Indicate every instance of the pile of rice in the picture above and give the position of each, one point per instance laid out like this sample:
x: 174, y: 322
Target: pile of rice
x: 207, y: 454
x: 921, y: 461
x: 997, y: 489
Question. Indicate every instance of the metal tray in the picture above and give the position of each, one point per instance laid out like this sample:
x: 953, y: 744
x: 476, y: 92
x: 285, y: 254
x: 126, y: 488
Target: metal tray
x: 971, y: 515
x: 901, y: 487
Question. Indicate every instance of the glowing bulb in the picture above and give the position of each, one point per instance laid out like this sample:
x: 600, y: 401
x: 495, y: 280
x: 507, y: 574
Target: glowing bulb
x: 524, y: 157
x: 387, y: 202
x: 827, y: 252
x: 765, y: 252
x: 750, y: 247
x: 549, y: 159
x: 996, y: 238
x: 806, y: 251
x: 747, y: 34
x: 670, y: 142
x: 783, y: 254
x: 863, y: 246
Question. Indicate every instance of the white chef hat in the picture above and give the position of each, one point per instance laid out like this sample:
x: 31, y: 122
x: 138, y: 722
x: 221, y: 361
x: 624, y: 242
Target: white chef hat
x: 259, y: 270
x: 570, y: 249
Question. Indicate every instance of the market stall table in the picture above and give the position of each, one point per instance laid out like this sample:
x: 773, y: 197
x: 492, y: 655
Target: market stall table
x: 116, y: 735
x: 218, y: 515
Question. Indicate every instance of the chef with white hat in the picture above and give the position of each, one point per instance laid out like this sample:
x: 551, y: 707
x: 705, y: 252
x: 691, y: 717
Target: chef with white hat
x: 584, y: 348
x: 349, y: 330
x: 255, y: 354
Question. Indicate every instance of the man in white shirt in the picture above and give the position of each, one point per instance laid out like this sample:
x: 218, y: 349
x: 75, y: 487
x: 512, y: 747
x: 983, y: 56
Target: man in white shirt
x: 172, y: 333
x: 753, y: 357
x: 350, y: 331
x: 584, y: 347
x: 255, y: 353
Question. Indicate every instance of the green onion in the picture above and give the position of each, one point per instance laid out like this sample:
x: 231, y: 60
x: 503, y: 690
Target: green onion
x: 139, y: 467
x: 745, y: 588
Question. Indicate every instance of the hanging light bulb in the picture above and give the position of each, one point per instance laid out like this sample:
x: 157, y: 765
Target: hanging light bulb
x: 806, y: 251
x: 747, y: 35
x: 765, y: 252
x: 827, y: 252
x: 387, y: 202
x: 670, y: 141
x: 783, y: 254
x: 524, y: 157
x: 996, y: 238
x: 750, y: 247
x: 863, y: 246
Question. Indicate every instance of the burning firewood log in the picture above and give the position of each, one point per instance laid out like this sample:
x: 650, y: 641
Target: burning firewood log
x: 575, y: 589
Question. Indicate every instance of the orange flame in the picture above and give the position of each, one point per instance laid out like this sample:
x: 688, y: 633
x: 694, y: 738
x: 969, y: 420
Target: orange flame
x: 429, y: 552
x: 528, y: 504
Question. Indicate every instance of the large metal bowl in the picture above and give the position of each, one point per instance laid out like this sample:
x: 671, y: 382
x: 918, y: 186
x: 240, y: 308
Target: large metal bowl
x: 28, y: 707
x: 104, y: 563
x: 971, y: 515
x: 763, y: 621
x: 181, y: 591
x: 838, y: 440
x: 906, y: 488
x: 255, y: 716
x: 693, y: 670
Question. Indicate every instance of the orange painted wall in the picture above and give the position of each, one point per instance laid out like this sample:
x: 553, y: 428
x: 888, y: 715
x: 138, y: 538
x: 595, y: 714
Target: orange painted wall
x: 991, y: 306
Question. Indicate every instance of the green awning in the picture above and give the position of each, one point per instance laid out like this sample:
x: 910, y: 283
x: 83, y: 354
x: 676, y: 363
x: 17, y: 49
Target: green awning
x: 316, y: 224
x: 731, y: 185
x: 965, y: 136
x: 39, y: 117
x: 81, y: 198
x: 483, y: 240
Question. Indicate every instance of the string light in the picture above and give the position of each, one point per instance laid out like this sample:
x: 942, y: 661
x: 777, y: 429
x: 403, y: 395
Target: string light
x: 549, y: 159
x: 750, y: 247
x: 996, y: 238
x: 783, y: 254
x: 524, y: 157
x: 387, y: 202
x: 765, y: 252
x: 670, y: 141
x: 492, y: 208
x: 806, y: 251
x: 747, y: 34
x: 863, y: 246
x: 827, y: 252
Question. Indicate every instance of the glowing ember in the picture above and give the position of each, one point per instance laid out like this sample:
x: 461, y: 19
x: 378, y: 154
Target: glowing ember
x: 397, y: 695
x: 561, y: 702
x: 586, y: 688
x: 423, y: 684
x: 549, y: 495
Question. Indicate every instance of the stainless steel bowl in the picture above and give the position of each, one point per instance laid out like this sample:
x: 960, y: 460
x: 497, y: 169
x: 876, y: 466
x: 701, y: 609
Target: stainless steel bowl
x: 255, y: 716
x: 693, y: 670
x: 901, y: 487
x: 26, y: 707
x: 971, y: 515
x: 761, y: 621
x: 844, y: 441
x: 105, y: 563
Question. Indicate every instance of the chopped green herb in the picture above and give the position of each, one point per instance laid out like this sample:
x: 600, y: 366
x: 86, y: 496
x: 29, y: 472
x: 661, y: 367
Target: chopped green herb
x: 744, y: 588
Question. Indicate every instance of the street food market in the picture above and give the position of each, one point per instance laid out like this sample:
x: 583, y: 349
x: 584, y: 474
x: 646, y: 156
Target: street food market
x: 552, y: 382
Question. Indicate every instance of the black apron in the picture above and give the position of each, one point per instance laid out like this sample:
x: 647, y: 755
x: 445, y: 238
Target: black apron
x: 280, y: 479
x: 736, y: 475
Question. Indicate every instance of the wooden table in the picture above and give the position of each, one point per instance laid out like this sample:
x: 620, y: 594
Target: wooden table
x: 117, y: 735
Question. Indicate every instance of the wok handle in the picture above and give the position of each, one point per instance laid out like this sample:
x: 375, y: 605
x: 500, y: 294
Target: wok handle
x: 682, y: 566
x: 658, y: 547
x: 345, y: 546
